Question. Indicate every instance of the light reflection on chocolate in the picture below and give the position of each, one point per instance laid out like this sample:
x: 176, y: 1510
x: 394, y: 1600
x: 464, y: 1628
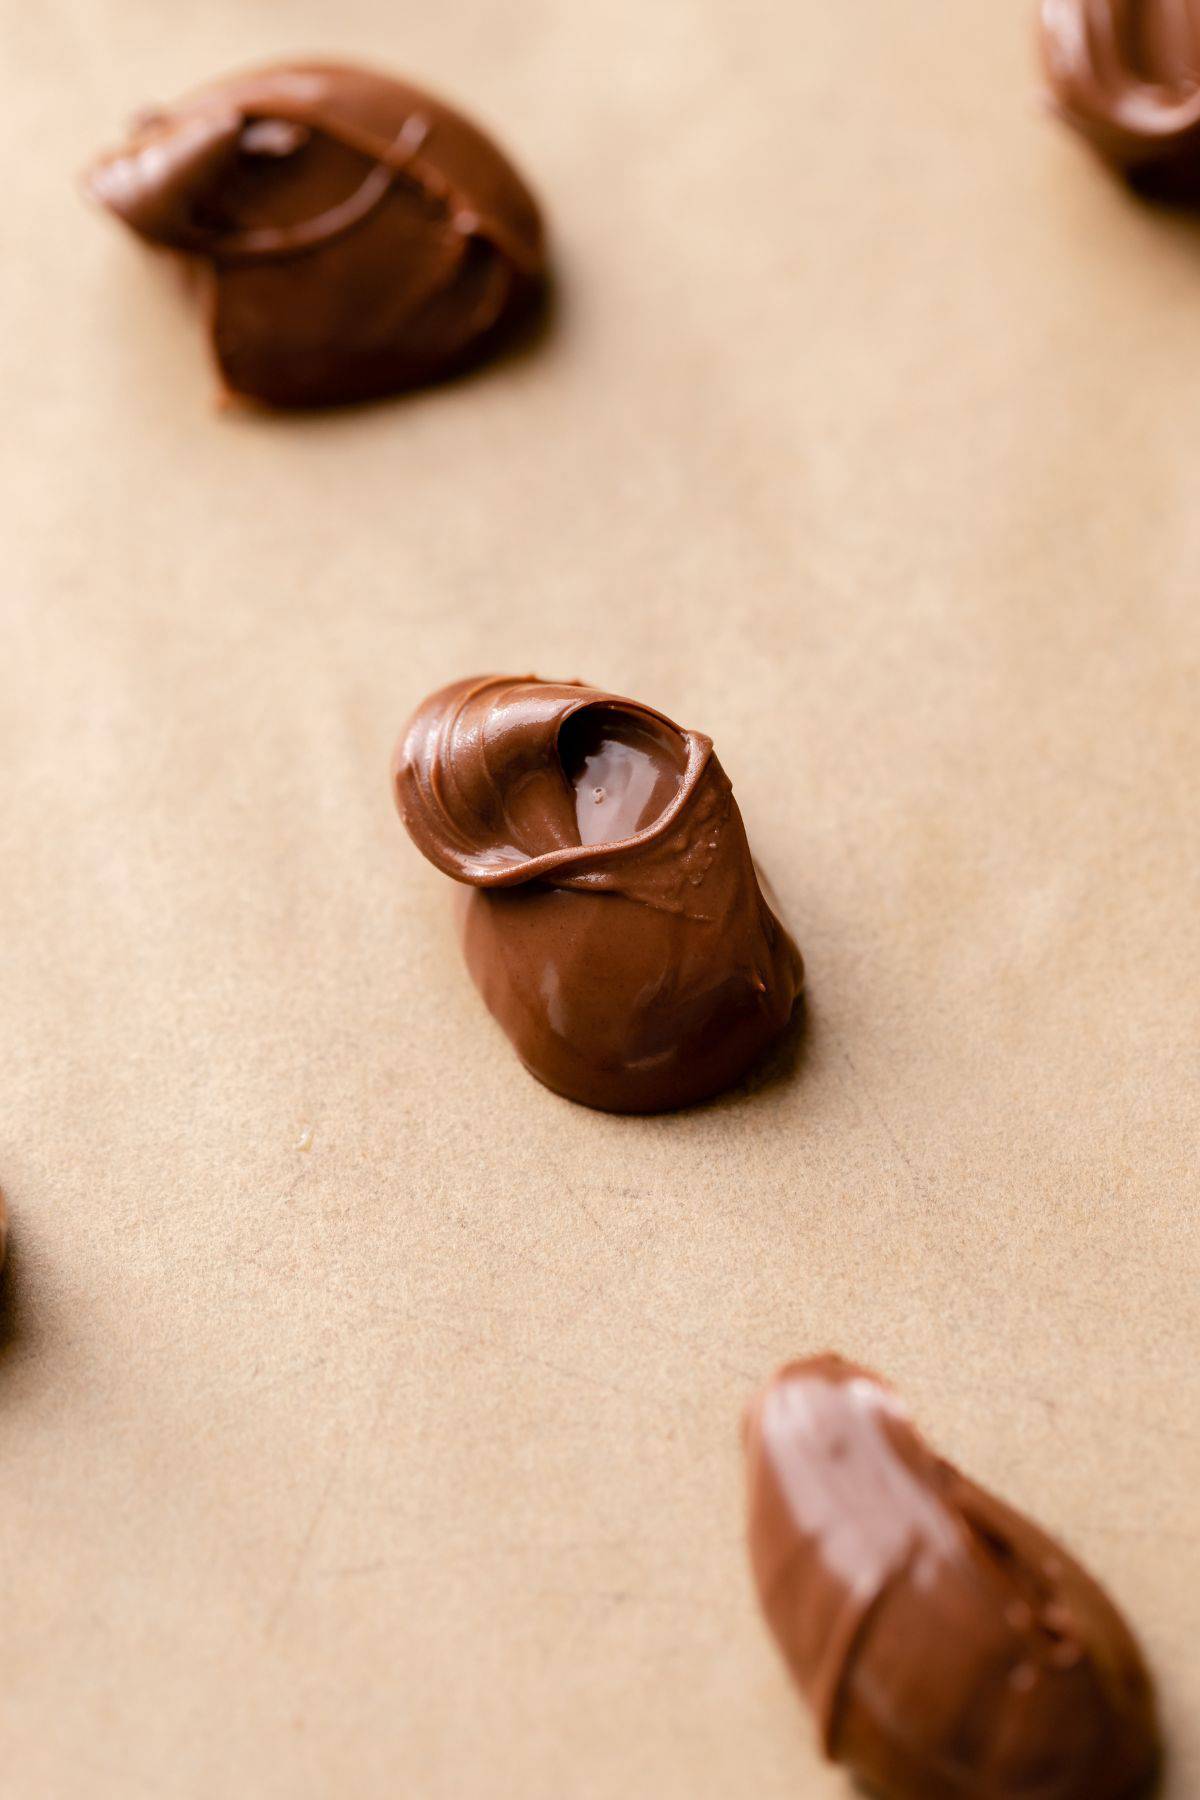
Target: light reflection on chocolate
x: 625, y: 775
x: 616, y: 927
x: 950, y: 1649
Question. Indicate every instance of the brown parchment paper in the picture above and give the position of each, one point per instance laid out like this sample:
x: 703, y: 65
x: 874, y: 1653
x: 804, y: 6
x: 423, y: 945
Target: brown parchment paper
x: 866, y: 438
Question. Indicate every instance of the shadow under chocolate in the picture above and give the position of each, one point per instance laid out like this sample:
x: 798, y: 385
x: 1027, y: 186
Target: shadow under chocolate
x: 780, y: 1064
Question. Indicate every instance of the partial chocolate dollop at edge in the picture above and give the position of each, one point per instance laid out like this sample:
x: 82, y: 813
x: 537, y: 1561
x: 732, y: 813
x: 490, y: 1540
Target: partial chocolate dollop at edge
x: 949, y: 1648
x: 1127, y: 79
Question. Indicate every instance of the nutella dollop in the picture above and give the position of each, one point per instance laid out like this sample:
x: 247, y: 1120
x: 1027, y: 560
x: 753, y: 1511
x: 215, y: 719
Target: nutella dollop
x: 616, y: 927
x: 1126, y: 73
x: 363, y: 237
x: 949, y: 1649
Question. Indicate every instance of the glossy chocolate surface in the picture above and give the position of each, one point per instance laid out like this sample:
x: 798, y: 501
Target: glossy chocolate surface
x: 947, y: 1646
x: 616, y: 927
x: 1126, y: 73
x: 363, y: 237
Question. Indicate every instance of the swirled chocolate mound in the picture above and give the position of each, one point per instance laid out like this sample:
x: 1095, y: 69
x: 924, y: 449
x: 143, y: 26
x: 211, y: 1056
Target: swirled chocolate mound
x: 1126, y: 73
x: 363, y: 237
x: 616, y: 927
x: 950, y: 1649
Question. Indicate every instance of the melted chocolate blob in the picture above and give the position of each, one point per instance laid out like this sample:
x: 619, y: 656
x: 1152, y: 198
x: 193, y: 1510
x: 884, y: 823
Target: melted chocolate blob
x: 949, y: 1649
x: 363, y: 237
x: 616, y: 927
x: 1126, y: 73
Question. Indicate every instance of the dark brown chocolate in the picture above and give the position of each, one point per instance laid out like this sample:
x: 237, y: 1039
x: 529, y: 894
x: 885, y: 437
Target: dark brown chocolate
x: 949, y: 1649
x: 1126, y: 73
x: 363, y: 237
x: 616, y: 927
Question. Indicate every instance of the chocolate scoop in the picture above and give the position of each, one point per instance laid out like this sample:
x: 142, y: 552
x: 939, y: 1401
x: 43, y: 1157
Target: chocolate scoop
x: 363, y: 237
x: 616, y: 927
x: 950, y: 1649
x: 1126, y: 73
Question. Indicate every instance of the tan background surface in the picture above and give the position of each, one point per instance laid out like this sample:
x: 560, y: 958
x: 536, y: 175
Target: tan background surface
x: 867, y: 440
